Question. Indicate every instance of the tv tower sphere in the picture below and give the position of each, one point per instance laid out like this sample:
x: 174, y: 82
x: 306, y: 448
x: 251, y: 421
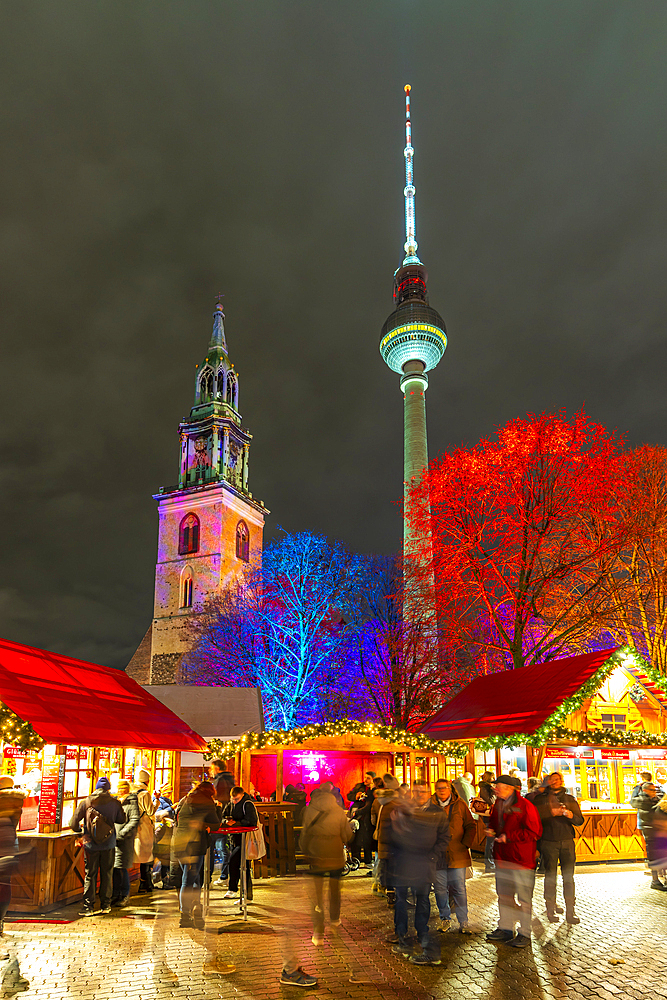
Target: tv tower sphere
x: 413, y: 338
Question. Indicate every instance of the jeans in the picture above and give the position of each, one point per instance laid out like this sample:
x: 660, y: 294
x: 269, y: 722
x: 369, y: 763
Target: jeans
x: 220, y: 845
x: 235, y: 869
x: 318, y: 899
x: 191, y: 879
x: 554, y: 851
x: 121, y: 883
x: 489, y: 863
x: 429, y: 944
x: 450, y: 886
x: 511, y: 882
x: 95, y: 861
x: 146, y: 875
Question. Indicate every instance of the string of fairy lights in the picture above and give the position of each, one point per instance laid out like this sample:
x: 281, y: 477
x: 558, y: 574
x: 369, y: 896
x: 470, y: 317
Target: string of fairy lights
x: 16, y: 732
x: 335, y: 730
x: 552, y: 729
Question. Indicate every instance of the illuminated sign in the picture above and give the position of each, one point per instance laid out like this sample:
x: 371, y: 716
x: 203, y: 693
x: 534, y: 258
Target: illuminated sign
x: 568, y: 753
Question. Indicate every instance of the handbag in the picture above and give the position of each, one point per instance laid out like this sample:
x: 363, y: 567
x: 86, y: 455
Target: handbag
x: 377, y: 823
x: 255, y: 846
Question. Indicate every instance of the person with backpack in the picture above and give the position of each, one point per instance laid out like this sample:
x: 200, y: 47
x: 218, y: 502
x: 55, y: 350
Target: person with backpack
x: 144, y: 839
x: 95, y: 817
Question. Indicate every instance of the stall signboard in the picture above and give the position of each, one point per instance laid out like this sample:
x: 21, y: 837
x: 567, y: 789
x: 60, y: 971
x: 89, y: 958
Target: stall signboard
x: 616, y: 755
x: 15, y: 753
x: 652, y: 753
x: 51, y: 797
x: 568, y: 753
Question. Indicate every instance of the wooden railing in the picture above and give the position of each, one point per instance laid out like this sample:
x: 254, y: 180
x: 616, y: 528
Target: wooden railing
x: 276, y: 819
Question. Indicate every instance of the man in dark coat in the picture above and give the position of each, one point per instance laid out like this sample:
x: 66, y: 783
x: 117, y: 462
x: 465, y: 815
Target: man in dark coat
x: 419, y: 841
x: 124, y: 856
x: 239, y: 811
x: 646, y: 804
x: 99, y: 842
x: 559, y: 813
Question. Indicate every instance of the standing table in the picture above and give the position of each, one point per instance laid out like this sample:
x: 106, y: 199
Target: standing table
x: 244, y: 831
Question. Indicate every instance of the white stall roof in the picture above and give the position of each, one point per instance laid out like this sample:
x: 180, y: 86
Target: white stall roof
x: 223, y: 713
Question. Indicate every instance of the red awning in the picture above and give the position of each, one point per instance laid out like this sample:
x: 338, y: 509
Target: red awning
x: 75, y: 702
x: 513, y: 701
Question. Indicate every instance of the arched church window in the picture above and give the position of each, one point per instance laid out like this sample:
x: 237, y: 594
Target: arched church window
x: 220, y: 389
x: 187, y: 584
x: 231, y: 390
x: 206, y: 385
x: 188, y: 535
x: 242, y: 541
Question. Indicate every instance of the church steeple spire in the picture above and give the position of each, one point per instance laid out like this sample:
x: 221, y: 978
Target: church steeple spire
x: 218, y: 335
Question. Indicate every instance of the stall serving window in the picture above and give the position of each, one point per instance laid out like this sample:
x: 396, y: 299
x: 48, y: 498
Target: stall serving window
x: 600, y: 777
x: 485, y: 760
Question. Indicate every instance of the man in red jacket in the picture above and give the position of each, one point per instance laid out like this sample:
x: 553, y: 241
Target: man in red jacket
x: 515, y: 826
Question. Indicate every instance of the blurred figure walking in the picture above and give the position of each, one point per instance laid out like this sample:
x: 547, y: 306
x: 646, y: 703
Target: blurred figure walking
x: 559, y: 814
x: 197, y: 815
x: 419, y: 840
x: 326, y: 830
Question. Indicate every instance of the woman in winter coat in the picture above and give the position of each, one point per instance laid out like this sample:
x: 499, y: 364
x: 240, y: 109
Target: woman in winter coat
x: 385, y: 800
x: 145, y: 833
x: 326, y: 830
x: 11, y: 804
x: 450, y: 884
x: 125, y: 833
x: 197, y: 816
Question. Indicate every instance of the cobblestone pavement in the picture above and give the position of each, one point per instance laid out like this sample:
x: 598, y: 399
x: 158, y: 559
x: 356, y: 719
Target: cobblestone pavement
x: 616, y: 951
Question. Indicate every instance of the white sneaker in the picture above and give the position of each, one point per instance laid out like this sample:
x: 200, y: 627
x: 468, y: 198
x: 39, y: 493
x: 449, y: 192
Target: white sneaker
x: 230, y: 895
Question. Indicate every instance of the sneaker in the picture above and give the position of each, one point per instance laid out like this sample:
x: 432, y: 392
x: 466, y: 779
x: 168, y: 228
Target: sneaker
x: 445, y: 925
x: 317, y: 939
x: 298, y: 978
x: 230, y: 894
x: 86, y: 912
x: 402, y: 948
x: 392, y: 939
x: 122, y: 902
x: 198, y: 917
x: 186, y: 920
x: 464, y: 928
x: 657, y: 884
x: 423, y: 960
x: 335, y: 923
x: 105, y: 909
x: 520, y: 941
x: 500, y: 935
x: 221, y: 881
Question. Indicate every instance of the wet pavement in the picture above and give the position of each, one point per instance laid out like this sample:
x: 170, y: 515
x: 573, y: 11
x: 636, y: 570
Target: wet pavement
x: 616, y: 951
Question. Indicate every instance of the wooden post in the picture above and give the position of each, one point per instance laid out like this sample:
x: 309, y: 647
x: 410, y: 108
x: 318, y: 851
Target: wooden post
x: 279, y: 774
x: 413, y: 771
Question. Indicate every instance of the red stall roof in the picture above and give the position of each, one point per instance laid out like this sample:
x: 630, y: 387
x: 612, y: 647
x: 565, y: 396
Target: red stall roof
x: 513, y: 701
x: 72, y: 701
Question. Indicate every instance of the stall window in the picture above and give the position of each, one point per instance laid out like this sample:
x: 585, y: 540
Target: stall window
x: 402, y: 768
x: 454, y: 768
x: 485, y: 760
x: 164, y: 770
x: 421, y: 769
x: 79, y: 779
x: 598, y: 780
x: 617, y: 722
x: 435, y: 771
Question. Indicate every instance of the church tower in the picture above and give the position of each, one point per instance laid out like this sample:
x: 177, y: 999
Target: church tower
x: 210, y: 527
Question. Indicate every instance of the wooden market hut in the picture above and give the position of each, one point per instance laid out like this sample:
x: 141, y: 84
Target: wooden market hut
x: 87, y: 721
x: 340, y: 752
x: 599, y: 718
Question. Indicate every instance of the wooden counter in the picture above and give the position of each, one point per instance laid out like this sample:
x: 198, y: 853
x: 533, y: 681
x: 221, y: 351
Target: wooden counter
x: 50, y: 872
x: 609, y: 835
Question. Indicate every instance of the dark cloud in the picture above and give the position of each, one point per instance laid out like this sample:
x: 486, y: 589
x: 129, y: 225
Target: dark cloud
x: 155, y: 154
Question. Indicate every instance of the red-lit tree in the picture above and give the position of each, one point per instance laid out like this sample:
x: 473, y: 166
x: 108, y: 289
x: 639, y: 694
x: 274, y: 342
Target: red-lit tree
x: 525, y: 531
x: 638, y: 584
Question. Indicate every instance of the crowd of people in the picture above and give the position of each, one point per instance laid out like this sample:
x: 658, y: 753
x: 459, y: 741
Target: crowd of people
x: 414, y: 844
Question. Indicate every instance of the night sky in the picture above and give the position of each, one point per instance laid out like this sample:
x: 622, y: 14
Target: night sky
x: 155, y: 154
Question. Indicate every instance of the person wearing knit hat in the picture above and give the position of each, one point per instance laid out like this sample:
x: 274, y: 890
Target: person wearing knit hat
x: 145, y: 835
x: 96, y: 817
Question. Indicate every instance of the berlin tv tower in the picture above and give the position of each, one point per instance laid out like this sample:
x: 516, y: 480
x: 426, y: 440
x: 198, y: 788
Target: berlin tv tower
x: 412, y: 342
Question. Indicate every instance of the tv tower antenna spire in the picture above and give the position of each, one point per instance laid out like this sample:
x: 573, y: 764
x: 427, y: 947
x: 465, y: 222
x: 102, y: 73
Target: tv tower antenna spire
x: 409, y: 191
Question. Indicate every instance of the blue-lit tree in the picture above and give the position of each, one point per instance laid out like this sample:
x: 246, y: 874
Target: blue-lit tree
x: 280, y: 629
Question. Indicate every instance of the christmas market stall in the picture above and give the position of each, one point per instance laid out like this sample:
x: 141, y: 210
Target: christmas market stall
x: 341, y: 752
x: 64, y: 723
x: 598, y: 718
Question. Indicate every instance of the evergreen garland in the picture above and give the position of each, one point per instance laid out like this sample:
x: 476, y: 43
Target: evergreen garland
x: 373, y: 730
x: 16, y: 732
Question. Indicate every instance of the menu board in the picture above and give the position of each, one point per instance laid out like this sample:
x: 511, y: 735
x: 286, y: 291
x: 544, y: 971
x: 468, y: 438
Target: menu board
x: 51, y: 797
x: 616, y: 755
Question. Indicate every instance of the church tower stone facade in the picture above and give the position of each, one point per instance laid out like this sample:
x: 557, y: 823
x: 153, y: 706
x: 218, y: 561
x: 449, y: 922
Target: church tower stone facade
x: 210, y: 526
